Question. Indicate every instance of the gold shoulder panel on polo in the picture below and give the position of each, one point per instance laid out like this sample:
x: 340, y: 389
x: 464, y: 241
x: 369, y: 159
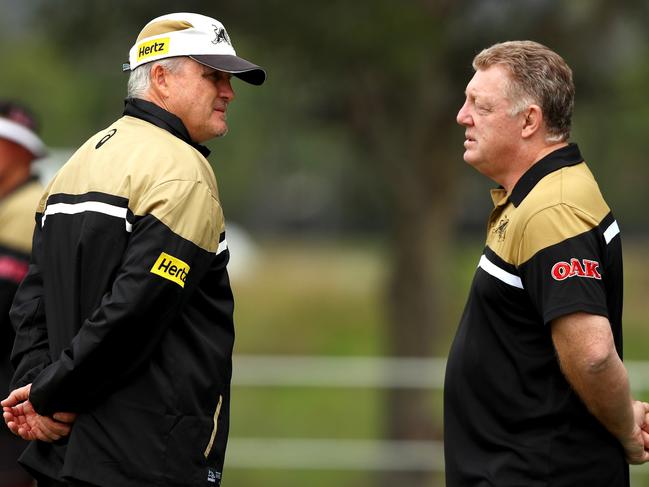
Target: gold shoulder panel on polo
x: 17, y: 216
x: 564, y: 204
x: 157, y: 172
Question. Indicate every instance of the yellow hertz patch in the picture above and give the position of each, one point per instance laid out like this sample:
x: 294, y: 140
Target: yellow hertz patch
x: 171, y: 268
x: 153, y: 48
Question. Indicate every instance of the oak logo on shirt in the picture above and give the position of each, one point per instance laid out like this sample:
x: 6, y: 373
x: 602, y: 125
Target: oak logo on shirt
x: 171, y: 268
x: 576, y: 268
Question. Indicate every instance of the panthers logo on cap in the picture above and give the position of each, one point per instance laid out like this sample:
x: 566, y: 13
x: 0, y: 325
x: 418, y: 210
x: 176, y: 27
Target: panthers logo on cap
x: 220, y: 35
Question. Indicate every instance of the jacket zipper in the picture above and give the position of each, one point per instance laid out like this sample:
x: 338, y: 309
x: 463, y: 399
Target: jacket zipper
x: 210, y: 445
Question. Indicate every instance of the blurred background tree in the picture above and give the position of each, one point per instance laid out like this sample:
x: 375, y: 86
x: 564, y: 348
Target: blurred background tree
x: 354, y: 134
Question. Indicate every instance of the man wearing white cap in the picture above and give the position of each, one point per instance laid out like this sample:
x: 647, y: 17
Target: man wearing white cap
x: 125, y: 316
x: 19, y: 195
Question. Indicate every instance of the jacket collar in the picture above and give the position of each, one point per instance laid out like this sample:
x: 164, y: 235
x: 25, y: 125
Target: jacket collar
x: 152, y: 113
x: 563, y: 157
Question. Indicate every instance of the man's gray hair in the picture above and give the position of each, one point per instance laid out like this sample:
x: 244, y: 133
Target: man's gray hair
x: 538, y: 75
x: 139, y: 80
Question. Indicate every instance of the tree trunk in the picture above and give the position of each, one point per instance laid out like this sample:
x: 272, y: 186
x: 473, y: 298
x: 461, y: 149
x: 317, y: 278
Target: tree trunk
x: 415, y: 307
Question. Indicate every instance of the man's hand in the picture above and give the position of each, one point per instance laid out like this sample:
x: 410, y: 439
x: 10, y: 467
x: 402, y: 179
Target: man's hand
x: 637, y: 445
x: 24, y: 421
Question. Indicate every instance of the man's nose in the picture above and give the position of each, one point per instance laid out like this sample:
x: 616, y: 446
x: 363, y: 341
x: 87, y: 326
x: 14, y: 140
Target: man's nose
x: 225, y: 90
x: 463, y: 117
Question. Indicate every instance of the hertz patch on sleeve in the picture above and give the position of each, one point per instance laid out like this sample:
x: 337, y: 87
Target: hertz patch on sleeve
x: 171, y: 268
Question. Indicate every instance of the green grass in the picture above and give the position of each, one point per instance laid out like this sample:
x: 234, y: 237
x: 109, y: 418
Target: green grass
x: 311, y: 298
x: 296, y: 478
x: 636, y: 300
x: 306, y: 412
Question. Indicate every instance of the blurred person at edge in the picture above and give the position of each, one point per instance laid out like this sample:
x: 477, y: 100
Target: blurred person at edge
x: 124, y: 328
x: 20, y: 192
x: 536, y: 392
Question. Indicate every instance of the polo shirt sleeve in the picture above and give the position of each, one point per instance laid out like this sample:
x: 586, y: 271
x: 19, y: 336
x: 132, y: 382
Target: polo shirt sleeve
x: 563, y: 255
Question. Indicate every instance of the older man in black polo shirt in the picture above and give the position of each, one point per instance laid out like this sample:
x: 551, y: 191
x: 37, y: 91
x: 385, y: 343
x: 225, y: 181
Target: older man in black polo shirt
x: 536, y: 393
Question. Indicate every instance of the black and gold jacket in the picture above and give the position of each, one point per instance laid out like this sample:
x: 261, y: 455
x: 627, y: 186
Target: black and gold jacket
x: 125, y: 315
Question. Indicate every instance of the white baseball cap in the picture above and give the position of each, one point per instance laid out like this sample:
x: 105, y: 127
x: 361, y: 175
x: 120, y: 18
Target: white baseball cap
x: 202, y: 38
x: 18, y: 125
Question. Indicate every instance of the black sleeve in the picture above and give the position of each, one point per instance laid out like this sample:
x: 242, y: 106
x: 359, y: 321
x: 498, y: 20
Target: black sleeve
x: 7, y: 335
x: 567, y: 277
x: 30, y: 350
x: 13, y: 268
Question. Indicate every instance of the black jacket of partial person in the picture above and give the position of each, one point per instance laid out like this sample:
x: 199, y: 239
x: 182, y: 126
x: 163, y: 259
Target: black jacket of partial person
x: 16, y: 229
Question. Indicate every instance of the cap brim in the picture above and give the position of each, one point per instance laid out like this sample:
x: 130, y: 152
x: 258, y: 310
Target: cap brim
x: 242, y: 69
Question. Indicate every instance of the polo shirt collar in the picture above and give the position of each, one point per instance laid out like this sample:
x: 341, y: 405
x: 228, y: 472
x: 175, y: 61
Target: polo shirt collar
x: 152, y: 113
x: 565, y: 156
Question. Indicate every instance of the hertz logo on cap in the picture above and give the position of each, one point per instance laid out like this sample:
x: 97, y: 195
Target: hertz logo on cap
x: 171, y: 268
x: 153, y: 48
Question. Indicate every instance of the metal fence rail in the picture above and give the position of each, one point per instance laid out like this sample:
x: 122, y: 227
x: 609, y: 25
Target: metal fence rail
x: 353, y: 372
x: 371, y: 372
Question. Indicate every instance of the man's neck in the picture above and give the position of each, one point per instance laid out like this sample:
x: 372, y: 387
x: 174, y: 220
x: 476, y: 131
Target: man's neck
x: 525, y: 161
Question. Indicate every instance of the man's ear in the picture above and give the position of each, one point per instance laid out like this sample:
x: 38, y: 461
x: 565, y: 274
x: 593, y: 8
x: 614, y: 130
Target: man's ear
x: 160, y: 81
x: 533, y: 121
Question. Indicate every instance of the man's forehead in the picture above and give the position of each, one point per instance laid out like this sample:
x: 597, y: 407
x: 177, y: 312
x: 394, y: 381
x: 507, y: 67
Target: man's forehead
x: 489, y: 81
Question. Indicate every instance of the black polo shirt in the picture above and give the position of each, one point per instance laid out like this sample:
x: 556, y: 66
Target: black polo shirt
x: 511, y: 419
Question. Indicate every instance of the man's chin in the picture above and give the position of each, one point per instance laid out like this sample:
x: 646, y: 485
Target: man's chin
x: 222, y: 133
x: 215, y: 134
x: 469, y: 158
x: 221, y: 129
